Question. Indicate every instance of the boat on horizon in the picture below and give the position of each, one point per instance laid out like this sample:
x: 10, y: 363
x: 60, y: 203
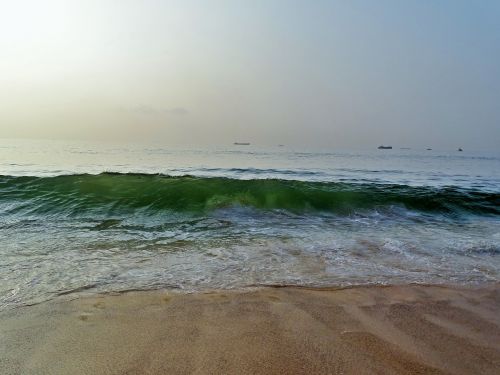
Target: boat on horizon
x: 241, y: 143
x: 385, y: 147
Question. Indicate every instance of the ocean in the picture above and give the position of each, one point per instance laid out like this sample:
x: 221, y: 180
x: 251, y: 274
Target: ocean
x: 78, y: 218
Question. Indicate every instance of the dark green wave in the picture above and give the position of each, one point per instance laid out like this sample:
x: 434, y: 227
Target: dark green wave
x: 114, y: 193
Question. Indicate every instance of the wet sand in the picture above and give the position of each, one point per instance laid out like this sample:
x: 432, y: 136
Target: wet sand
x: 362, y: 330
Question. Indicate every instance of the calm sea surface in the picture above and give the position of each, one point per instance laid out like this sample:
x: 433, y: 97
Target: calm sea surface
x: 76, y: 217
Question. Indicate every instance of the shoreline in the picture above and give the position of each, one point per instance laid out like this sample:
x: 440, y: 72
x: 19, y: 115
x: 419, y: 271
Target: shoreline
x: 82, y: 293
x: 390, y: 329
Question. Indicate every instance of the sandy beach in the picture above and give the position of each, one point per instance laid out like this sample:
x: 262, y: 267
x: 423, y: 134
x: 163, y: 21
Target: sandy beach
x: 362, y: 330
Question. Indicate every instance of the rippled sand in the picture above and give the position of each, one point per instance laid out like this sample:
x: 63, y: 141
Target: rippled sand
x: 363, y: 330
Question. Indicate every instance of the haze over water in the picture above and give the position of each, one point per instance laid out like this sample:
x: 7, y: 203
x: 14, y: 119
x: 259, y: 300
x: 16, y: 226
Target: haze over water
x: 322, y: 74
x: 80, y: 217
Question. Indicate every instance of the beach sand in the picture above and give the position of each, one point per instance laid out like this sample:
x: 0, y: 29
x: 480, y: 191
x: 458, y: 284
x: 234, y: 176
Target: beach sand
x: 361, y: 330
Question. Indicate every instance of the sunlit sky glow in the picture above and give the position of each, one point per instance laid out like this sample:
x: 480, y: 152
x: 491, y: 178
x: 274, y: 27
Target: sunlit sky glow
x: 307, y: 73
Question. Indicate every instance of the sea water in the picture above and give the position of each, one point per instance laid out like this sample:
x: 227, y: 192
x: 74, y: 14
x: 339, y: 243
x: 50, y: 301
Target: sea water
x: 84, y: 217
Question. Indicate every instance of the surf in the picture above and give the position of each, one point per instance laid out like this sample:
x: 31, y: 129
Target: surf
x: 128, y: 193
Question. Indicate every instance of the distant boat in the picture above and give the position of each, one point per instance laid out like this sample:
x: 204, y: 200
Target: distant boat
x: 459, y: 149
x: 241, y: 143
x: 385, y: 147
x: 429, y: 149
x: 281, y: 145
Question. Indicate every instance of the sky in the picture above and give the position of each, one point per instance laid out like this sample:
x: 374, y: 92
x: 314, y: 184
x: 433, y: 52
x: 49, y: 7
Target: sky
x: 411, y: 73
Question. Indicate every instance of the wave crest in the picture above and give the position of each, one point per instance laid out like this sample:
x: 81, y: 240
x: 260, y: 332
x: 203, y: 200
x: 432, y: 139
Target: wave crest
x: 115, y: 193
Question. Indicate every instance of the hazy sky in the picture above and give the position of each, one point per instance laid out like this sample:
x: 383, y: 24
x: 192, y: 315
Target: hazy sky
x: 308, y: 73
